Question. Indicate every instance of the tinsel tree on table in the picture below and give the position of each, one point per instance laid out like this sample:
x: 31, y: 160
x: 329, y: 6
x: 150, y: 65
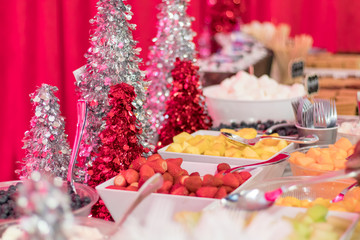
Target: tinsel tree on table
x: 185, y: 108
x: 120, y: 145
x: 46, y: 209
x: 46, y: 146
x: 174, y: 39
x: 111, y: 59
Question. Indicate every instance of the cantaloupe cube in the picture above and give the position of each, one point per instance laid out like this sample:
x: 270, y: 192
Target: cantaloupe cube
x: 324, y: 159
x: 247, y: 133
x: 315, y: 166
x: 343, y: 143
x: 231, y: 151
x: 304, y: 161
x: 295, y: 155
x: 250, y: 153
x: 313, y: 153
x: 350, y: 150
x: 194, y: 140
x: 203, y: 145
x: 219, y: 147
x: 180, y: 138
x: 340, y: 154
x: 340, y: 163
x: 192, y: 150
x: 327, y: 167
x: 282, y: 144
x: 212, y: 153
x: 175, y: 147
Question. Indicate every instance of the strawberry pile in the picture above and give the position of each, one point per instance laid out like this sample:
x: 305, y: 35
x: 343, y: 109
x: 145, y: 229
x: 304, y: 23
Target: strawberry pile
x: 178, y: 181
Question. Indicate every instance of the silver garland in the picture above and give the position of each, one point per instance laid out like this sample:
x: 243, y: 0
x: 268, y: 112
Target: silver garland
x: 111, y: 59
x: 46, y: 145
x: 46, y: 208
x: 174, y: 39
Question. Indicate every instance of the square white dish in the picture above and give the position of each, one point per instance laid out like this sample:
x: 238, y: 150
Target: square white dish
x: 268, y: 172
x: 117, y: 201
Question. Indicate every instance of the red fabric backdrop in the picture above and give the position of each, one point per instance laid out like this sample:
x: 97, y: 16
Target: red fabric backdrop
x: 44, y: 41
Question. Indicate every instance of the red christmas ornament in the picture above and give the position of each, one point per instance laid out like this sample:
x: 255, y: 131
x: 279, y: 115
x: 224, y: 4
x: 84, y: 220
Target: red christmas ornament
x: 119, y: 142
x: 185, y: 110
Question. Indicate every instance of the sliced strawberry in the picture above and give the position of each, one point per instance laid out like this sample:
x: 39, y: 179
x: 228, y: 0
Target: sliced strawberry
x: 146, y: 171
x: 165, y: 188
x: 208, y: 192
x: 193, y: 183
x: 168, y: 177
x: 223, y: 166
x: 238, y: 176
x: 131, y: 176
x: 192, y: 194
x: 132, y: 188
x: 182, y: 179
x: 180, y: 191
x: 176, y: 161
x: 228, y: 189
x: 159, y: 165
x: 175, y: 186
x: 174, y: 169
x: 120, y: 181
x: 220, y: 174
x: 115, y: 187
x: 211, y: 181
x: 195, y: 174
x: 221, y: 193
x: 154, y: 157
x: 134, y: 184
x: 137, y: 163
x: 245, y: 175
x: 230, y: 180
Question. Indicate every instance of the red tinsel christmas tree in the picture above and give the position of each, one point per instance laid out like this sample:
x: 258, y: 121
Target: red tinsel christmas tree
x: 185, y: 110
x: 120, y: 145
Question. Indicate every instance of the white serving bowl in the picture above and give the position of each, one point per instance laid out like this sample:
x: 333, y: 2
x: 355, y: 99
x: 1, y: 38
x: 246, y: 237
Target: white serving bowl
x: 227, y: 111
x: 118, y: 201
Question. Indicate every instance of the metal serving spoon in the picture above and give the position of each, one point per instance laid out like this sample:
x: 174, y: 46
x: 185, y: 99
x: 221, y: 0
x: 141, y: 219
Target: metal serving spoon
x: 281, y: 157
x: 310, y: 139
x: 255, y: 199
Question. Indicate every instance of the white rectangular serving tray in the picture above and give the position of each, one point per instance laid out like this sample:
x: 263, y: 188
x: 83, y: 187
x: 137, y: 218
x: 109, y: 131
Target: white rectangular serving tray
x: 117, y: 201
x: 268, y: 172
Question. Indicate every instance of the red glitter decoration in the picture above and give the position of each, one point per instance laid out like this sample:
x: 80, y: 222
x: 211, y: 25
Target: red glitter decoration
x: 119, y: 142
x: 223, y: 16
x: 185, y: 110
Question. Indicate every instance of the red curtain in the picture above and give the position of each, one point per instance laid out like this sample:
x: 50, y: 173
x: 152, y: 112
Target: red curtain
x: 44, y: 42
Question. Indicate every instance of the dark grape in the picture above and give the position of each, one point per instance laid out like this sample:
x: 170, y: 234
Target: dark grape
x: 260, y: 126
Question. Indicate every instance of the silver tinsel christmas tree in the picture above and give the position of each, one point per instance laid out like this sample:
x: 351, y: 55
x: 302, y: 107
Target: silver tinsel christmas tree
x: 174, y: 39
x: 111, y: 59
x: 46, y: 208
x: 46, y: 145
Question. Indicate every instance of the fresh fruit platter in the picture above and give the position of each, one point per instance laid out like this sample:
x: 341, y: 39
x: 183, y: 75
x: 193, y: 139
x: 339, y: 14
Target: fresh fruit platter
x: 189, y: 185
x: 318, y: 160
x: 177, y: 181
x: 217, y: 145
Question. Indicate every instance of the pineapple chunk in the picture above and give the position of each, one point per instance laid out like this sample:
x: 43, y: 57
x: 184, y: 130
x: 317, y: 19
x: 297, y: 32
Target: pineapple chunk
x: 230, y: 152
x: 212, y: 153
x: 180, y: 138
x: 192, y: 150
x: 203, y: 145
x: 219, y: 147
x: 175, y: 147
x: 193, y: 141
x: 250, y: 153
x: 282, y: 144
x: 247, y: 133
